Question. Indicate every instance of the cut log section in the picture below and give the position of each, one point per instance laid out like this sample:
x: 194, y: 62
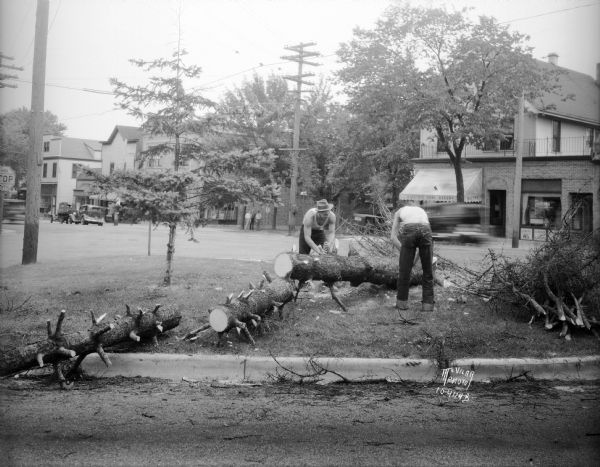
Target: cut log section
x: 60, y: 347
x: 251, y: 307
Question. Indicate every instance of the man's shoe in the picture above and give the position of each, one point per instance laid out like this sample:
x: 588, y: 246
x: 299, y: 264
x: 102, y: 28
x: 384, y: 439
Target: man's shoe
x: 427, y: 307
x: 402, y: 304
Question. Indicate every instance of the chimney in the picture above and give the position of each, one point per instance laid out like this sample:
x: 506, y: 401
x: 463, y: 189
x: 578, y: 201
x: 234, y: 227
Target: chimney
x: 553, y: 58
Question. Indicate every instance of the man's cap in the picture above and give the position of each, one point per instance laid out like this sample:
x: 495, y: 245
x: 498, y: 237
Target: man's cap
x: 323, y: 205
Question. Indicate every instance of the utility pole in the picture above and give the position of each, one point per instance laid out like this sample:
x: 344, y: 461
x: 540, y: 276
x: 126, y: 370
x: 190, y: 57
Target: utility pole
x: 4, y: 76
x: 300, y: 58
x: 34, y: 160
x: 520, y: 147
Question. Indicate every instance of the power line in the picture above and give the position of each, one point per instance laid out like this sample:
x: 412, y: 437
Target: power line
x: 4, y: 76
x: 54, y: 17
x: 95, y: 91
x: 91, y: 115
x: 548, y: 13
x: 236, y: 74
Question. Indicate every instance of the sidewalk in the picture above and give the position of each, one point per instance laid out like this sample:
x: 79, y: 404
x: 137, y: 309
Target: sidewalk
x: 235, y: 368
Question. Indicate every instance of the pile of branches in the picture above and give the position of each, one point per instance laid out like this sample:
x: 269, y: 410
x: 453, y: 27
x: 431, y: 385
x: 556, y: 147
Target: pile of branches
x: 558, y: 281
x: 371, y: 239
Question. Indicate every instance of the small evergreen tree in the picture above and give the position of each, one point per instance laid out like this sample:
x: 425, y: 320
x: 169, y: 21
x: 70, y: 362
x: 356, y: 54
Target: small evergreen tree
x: 165, y: 107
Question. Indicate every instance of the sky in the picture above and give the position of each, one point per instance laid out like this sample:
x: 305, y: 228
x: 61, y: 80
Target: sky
x: 90, y: 41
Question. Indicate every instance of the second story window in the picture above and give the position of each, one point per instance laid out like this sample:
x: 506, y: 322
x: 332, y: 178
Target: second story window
x: 112, y: 168
x: 555, y: 136
x: 46, y: 146
x: 441, y: 146
x: 76, y: 169
x: 45, y: 171
x: 54, y: 167
x: 506, y: 143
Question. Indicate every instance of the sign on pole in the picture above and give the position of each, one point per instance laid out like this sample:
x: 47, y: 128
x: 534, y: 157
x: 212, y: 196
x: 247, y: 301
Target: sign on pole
x: 7, y: 178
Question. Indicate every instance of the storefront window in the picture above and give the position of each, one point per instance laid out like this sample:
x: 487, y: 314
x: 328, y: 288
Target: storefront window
x: 541, y: 210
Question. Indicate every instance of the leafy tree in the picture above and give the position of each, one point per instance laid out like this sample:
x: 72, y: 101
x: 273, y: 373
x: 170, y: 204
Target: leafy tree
x: 165, y: 107
x: 323, y: 136
x: 238, y: 177
x: 258, y: 114
x: 375, y: 163
x: 430, y: 69
x: 15, y: 143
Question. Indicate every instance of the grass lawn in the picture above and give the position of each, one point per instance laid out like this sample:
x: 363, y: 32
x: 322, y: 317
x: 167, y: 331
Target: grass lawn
x: 314, y: 326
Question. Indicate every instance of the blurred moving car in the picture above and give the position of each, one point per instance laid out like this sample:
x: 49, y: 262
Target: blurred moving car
x: 460, y: 222
x: 13, y: 210
x: 91, y: 214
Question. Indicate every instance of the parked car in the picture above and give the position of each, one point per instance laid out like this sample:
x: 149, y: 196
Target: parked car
x: 65, y: 214
x: 91, y: 214
x: 126, y: 214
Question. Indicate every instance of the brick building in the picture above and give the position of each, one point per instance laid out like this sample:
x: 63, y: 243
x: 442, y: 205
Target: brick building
x: 560, y: 166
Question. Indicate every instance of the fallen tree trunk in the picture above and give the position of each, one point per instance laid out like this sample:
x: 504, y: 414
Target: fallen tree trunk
x: 60, y: 347
x: 251, y: 307
x: 353, y: 269
x: 332, y: 268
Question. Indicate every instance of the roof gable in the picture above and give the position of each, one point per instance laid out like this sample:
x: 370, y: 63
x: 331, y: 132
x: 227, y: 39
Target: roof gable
x: 131, y: 134
x: 76, y: 148
x: 578, y: 98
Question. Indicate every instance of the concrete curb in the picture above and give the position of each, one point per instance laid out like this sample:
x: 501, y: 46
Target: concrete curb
x: 262, y: 369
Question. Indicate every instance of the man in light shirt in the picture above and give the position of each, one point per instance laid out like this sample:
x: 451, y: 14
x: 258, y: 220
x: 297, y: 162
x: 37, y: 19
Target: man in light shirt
x: 411, y: 230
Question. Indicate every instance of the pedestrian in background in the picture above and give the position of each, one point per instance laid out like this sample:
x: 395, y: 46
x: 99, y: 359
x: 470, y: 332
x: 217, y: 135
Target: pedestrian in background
x: 257, y: 220
x: 247, y: 219
x: 411, y: 230
x: 116, y: 212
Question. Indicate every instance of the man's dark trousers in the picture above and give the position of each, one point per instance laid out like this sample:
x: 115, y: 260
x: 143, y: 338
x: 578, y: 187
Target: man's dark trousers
x: 413, y: 236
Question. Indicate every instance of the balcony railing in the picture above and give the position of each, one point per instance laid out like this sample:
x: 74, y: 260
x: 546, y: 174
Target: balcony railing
x: 541, y: 147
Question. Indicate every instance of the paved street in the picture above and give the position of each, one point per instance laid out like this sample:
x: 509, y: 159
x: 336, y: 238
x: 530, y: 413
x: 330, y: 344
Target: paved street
x: 68, y: 242
x: 144, y: 422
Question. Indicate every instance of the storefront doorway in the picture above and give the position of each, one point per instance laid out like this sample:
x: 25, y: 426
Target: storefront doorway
x: 498, y: 213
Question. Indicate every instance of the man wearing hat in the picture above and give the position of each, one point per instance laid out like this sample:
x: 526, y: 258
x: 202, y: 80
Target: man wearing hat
x: 318, y: 229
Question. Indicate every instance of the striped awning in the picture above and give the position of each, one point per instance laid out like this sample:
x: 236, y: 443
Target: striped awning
x: 439, y: 185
